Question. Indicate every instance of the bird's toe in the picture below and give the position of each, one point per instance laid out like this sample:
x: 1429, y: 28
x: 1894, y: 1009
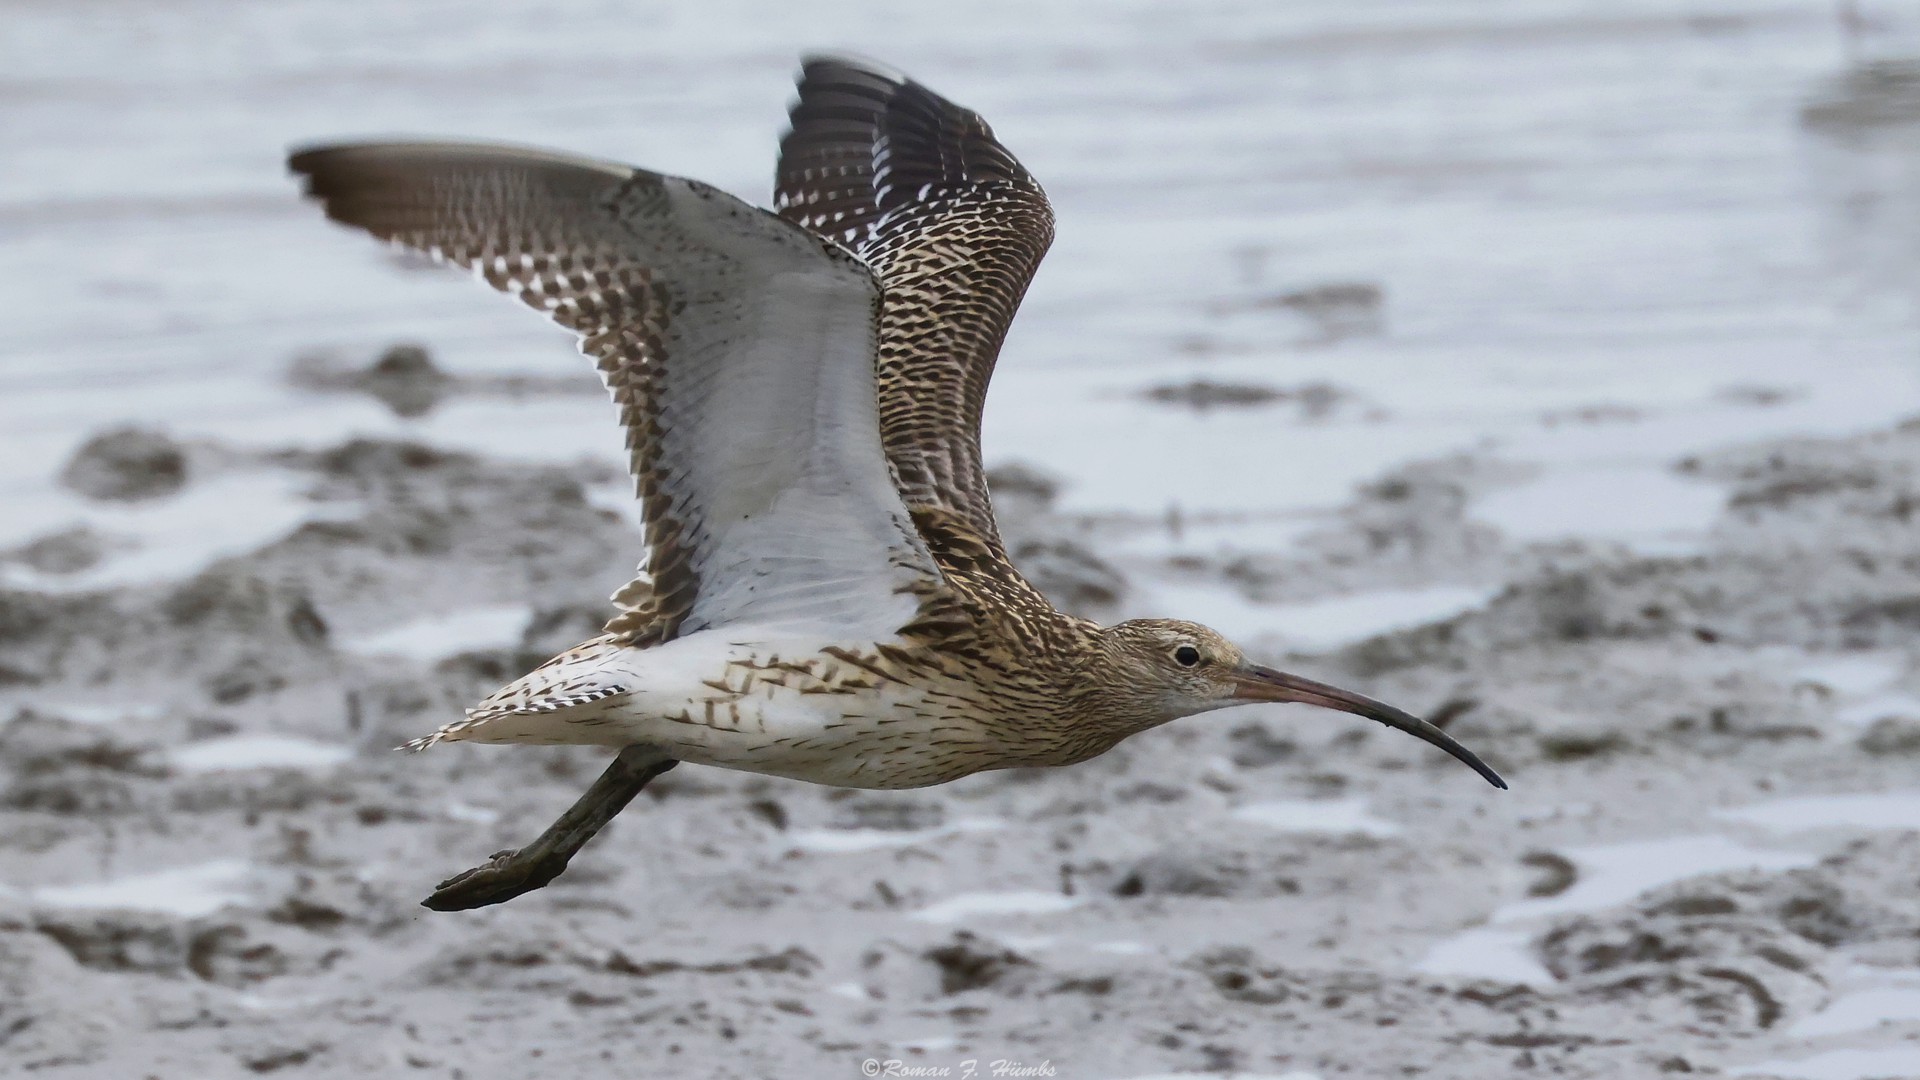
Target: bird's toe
x: 507, y: 875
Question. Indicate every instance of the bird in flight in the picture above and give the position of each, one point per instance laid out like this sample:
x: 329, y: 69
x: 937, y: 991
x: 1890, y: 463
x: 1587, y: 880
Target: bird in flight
x: 825, y: 595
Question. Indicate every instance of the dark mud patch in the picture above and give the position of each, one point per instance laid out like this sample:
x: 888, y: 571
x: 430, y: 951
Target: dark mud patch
x: 406, y: 380
x: 127, y: 465
x: 1311, y: 401
x: 694, y: 922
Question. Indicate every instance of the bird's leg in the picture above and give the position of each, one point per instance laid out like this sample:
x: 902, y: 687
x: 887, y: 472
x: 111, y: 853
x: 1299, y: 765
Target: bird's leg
x: 510, y: 873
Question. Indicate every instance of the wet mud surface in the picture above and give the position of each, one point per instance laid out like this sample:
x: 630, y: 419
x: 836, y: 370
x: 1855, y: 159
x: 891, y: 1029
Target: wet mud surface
x: 214, y: 857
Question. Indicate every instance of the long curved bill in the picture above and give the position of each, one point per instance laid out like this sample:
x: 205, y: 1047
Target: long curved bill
x: 1256, y: 683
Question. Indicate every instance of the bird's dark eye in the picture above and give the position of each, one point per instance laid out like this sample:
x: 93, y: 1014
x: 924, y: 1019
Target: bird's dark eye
x: 1186, y: 656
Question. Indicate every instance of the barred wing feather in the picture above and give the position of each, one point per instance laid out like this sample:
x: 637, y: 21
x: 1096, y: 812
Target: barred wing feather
x: 738, y: 347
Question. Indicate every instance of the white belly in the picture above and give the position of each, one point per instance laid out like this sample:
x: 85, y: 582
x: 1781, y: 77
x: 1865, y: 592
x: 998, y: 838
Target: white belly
x: 880, y: 742
x: 777, y: 706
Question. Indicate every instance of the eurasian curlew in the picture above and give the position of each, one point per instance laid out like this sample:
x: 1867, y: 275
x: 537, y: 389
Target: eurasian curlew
x: 826, y: 596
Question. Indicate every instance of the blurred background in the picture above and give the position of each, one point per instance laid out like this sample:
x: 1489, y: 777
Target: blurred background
x: 1550, y: 362
x: 1459, y: 216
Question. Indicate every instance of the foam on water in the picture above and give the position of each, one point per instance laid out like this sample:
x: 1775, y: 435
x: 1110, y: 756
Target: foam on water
x: 258, y: 752
x: 1612, y: 874
x: 968, y: 905
x: 1872, y: 810
x: 439, y: 636
x: 1345, y: 816
x: 189, y: 891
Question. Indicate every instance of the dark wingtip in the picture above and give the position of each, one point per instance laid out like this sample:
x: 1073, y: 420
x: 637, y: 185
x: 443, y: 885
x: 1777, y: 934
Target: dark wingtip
x: 306, y: 159
x: 320, y: 166
x: 300, y: 159
x: 813, y: 62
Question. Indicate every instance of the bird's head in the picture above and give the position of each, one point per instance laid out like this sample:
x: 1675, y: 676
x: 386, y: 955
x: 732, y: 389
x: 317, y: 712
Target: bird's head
x: 1168, y: 668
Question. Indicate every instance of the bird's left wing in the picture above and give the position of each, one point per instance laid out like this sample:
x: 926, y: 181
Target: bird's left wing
x: 954, y: 228
x: 738, y: 347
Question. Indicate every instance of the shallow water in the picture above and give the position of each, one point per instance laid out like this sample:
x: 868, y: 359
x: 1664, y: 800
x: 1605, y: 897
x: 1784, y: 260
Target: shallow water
x: 478, y: 815
x: 436, y: 637
x: 1316, y: 626
x: 1333, y: 623
x: 1876, y: 997
x: 1646, y: 506
x: 104, y: 712
x: 258, y: 752
x: 1607, y: 875
x: 1852, y: 675
x: 1503, y: 955
x: 1317, y: 816
x: 1533, y: 255
x: 846, y: 841
x: 1615, y: 873
x: 1872, y: 810
x: 1867, y: 710
x: 188, y: 891
x: 165, y: 539
x: 1214, y: 538
x: 1845, y: 1064
x: 971, y: 905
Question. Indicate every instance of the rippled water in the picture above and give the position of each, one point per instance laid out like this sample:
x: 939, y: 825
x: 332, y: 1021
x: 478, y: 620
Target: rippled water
x: 1548, y: 231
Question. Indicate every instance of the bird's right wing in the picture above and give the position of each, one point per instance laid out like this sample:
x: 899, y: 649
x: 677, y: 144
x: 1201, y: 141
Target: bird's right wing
x: 953, y: 227
x: 738, y: 347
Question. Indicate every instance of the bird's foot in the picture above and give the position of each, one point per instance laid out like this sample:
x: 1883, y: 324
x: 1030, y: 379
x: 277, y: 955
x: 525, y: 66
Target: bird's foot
x: 507, y: 875
x: 510, y: 873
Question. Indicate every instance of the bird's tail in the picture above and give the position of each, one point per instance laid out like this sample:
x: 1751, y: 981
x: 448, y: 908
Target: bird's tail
x: 565, y: 700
